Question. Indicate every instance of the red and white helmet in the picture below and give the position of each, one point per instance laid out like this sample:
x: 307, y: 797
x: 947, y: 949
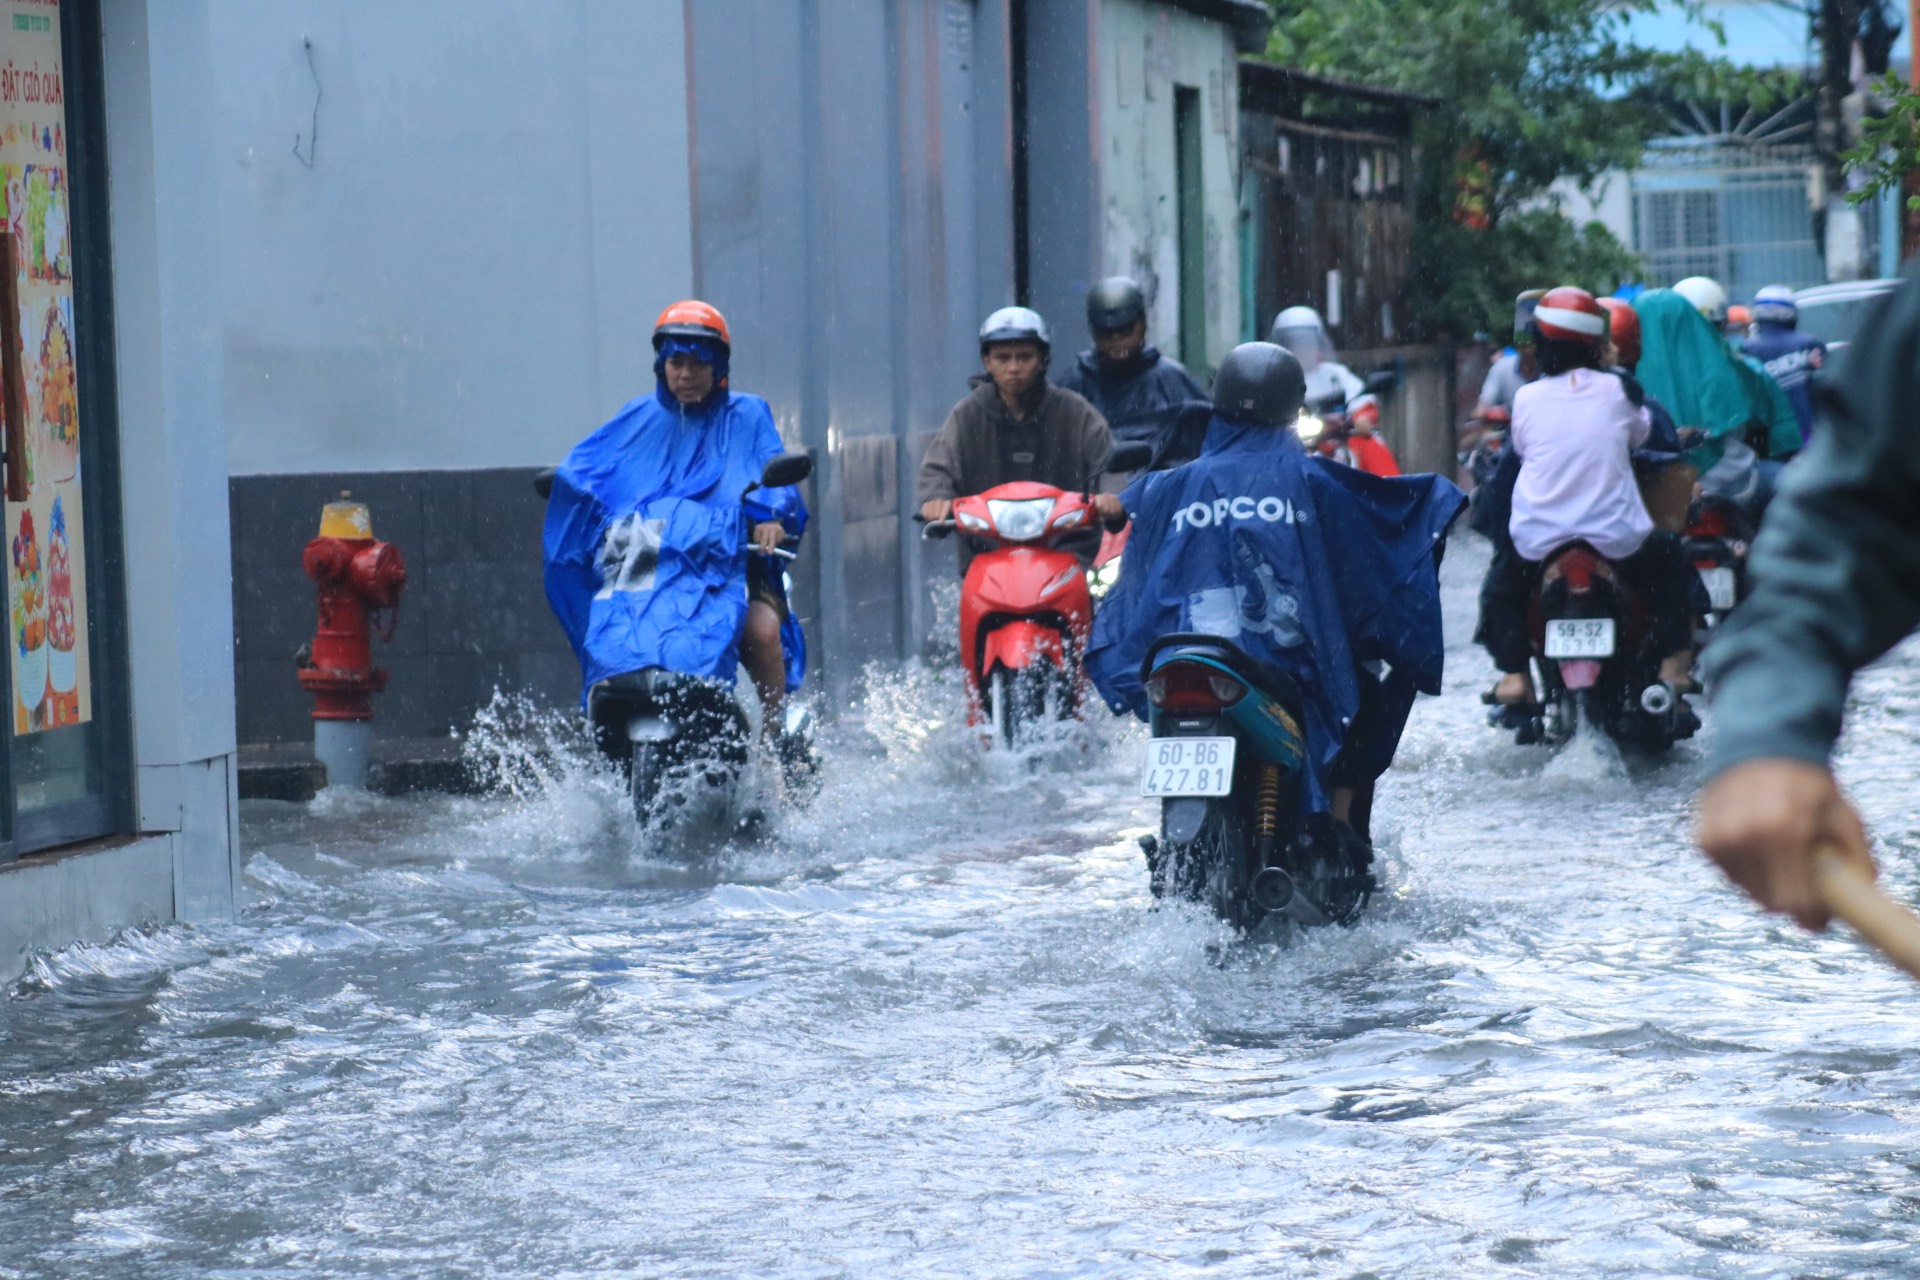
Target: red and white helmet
x: 1570, y: 314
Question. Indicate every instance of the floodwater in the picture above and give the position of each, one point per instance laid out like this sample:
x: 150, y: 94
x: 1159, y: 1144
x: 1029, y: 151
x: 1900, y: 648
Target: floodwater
x: 935, y: 1027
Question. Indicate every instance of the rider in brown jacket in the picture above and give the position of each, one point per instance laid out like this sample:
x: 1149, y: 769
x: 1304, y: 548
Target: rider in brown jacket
x: 1015, y: 425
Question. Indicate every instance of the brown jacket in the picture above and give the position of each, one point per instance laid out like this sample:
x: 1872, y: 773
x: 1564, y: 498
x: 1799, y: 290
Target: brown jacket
x: 1062, y: 441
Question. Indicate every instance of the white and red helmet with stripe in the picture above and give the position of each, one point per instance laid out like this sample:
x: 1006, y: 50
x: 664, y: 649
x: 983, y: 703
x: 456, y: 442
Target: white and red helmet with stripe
x: 1570, y: 314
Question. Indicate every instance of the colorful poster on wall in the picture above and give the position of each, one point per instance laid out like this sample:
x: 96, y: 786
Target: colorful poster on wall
x: 45, y: 542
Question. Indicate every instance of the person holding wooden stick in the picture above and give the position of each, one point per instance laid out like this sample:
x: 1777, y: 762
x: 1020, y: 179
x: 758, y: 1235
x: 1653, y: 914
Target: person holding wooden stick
x: 1836, y: 583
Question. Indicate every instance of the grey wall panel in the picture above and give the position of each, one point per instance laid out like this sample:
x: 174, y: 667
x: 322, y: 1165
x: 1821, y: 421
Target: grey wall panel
x: 462, y: 269
x: 1063, y: 141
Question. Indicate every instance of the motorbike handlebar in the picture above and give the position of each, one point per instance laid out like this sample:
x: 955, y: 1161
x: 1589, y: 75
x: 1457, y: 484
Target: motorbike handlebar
x: 782, y: 553
x: 936, y: 528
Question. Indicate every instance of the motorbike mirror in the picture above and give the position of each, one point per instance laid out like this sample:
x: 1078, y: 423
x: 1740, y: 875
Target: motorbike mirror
x: 543, y: 481
x: 1382, y: 380
x: 788, y: 468
x: 1129, y: 457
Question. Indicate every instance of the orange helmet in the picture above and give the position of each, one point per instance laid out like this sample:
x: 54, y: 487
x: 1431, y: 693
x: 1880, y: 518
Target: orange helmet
x: 1569, y: 314
x: 1624, y: 322
x: 692, y: 319
x: 1738, y: 317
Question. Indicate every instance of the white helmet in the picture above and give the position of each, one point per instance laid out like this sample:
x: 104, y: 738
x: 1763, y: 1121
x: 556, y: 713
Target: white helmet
x: 1707, y: 297
x: 1301, y: 331
x: 1775, y: 304
x: 1015, y: 324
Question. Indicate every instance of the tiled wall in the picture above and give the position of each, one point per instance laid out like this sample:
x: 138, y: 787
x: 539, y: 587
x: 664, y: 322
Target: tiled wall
x: 474, y: 615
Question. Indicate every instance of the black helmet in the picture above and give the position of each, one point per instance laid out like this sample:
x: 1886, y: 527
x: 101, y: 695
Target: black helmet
x: 1261, y: 383
x: 1115, y: 303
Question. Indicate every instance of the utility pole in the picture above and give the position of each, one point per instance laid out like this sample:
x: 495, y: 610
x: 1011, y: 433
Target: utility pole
x: 1838, y: 23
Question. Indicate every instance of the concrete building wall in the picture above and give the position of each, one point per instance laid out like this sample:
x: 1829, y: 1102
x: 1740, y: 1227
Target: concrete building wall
x: 1147, y: 49
x: 446, y: 228
x: 178, y: 856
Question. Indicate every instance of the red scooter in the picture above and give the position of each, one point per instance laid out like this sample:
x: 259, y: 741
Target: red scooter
x: 1026, y: 614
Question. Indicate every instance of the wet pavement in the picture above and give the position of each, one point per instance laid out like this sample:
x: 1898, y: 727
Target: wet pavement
x: 934, y: 1027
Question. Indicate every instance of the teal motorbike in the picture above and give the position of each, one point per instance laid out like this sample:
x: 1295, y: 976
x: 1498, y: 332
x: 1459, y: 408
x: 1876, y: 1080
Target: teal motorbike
x: 1226, y: 762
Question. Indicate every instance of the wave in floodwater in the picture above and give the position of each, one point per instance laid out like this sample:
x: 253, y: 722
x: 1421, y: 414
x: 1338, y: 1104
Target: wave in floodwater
x: 933, y: 1024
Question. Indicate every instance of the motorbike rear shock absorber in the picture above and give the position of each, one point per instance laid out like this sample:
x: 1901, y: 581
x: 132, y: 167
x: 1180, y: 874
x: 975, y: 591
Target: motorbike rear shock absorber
x: 1266, y: 810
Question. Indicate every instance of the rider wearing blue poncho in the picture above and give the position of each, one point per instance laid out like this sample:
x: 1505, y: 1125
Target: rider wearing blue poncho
x: 644, y: 532
x: 1326, y: 572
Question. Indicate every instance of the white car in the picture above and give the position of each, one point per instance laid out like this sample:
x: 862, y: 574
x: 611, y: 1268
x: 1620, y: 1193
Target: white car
x: 1831, y: 312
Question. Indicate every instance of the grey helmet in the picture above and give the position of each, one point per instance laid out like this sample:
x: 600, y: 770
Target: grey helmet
x: 1115, y: 303
x: 1015, y: 324
x: 1260, y: 382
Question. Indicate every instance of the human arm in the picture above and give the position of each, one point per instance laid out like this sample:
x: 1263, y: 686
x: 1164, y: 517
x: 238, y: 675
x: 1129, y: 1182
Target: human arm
x: 783, y: 507
x: 1836, y: 574
x: 940, y: 474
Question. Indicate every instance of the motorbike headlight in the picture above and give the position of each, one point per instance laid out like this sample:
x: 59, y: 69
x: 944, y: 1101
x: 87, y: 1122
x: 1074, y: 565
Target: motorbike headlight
x: 1019, y: 519
x: 1308, y: 426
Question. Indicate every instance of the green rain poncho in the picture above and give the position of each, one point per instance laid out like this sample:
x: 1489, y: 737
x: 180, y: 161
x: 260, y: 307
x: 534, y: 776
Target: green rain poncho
x: 1692, y: 371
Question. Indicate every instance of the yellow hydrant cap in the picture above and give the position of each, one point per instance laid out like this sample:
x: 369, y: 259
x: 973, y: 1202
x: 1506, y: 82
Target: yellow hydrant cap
x: 346, y: 519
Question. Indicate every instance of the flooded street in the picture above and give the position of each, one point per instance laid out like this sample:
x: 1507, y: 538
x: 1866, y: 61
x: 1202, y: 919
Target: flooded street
x: 935, y: 1028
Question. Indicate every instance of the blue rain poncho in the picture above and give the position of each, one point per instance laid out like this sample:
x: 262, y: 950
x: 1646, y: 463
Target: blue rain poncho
x: 1302, y: 562
x: 645, y: 533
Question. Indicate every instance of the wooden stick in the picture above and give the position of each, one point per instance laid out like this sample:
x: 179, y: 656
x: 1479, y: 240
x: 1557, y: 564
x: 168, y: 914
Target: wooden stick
x: 1850, y: 895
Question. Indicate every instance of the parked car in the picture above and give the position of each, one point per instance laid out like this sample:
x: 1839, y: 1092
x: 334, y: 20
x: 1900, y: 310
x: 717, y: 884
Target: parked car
x: 1831, y: 312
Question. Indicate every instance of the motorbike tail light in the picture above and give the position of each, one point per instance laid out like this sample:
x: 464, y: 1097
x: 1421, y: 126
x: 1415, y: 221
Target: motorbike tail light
x: 1193, y: 686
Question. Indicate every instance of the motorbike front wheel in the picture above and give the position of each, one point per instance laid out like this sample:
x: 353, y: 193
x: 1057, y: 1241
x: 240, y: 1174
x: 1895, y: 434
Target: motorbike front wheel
x: 644, y: 768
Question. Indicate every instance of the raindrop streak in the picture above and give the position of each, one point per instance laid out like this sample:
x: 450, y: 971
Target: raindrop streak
x: 934, y: 1026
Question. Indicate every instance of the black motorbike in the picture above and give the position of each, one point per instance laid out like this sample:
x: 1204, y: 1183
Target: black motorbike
x: 1226, y: 761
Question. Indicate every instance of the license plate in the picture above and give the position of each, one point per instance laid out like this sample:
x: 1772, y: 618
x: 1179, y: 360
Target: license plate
x: 1580, y: 638
x: 1719, y: 583
x: 1188, y: 767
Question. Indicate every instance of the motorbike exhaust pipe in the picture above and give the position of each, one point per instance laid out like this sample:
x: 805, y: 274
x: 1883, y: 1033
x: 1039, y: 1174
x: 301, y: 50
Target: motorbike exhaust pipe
x: 1273, y: 892
x: 1657, y: 699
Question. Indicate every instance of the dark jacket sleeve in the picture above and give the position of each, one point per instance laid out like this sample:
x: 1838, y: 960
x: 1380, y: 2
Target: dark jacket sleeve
x: 1836, y: 568
x: 940, y: 468
x: 1090, y: 430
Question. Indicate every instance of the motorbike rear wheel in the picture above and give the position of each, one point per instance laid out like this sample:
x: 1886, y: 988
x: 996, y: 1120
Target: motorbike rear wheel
x: 1215, y: 866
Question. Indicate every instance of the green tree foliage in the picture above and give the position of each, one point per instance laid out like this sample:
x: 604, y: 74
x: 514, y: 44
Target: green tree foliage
x: 1531, y: 91
x: 1889, y: 147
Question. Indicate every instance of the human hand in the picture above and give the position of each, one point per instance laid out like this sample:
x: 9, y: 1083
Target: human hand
x: 768, y: 535
x: 1107, y: 507
x: 936, y: 509
x: 1764, y: 820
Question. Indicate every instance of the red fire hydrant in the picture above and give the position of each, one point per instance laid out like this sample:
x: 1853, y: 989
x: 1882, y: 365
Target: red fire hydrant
x: 359, y: 576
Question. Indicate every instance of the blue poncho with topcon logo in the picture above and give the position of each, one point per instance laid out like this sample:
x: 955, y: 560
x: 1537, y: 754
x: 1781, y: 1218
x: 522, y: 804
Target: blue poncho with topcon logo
x: 644, y: 537
x: 1310, y: 565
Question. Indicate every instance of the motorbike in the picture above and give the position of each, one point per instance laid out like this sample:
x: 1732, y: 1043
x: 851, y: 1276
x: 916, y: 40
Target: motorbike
x: 1325, y: 425
x: 1485, y: 442
x: 1718, y: 535
x: 684, y: 743
x: 1594, y: 660
x: 1026, y: 611
x: 1226, y: 762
